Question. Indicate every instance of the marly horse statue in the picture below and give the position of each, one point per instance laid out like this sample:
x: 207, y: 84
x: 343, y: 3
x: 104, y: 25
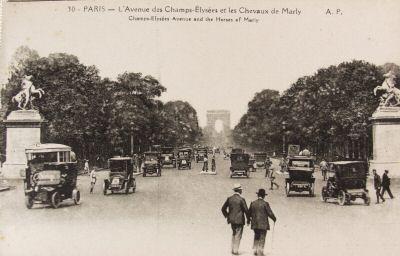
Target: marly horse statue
x: 27, y: 94
x: 392, y: 96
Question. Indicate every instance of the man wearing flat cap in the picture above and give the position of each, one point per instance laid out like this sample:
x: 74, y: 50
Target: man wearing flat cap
x: 259, y: 212
x: 234, y: 210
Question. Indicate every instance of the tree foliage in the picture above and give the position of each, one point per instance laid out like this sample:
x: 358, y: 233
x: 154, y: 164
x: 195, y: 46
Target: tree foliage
x: 97, y: 116
x: 325, y: 108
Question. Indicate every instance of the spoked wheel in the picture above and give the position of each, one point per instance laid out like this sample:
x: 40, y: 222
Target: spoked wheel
x: 323, y: 195
x: 28, y: 201
x: 76, y: 195
x: 367, y: 199
x: 55, y: 200
x: 287, y: 188
x: 342, y: 197
x: 312, y: 189
x: 133, y: 186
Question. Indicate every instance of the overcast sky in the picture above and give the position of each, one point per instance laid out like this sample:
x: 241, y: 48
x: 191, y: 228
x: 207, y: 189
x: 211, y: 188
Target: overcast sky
x: 210, y: 65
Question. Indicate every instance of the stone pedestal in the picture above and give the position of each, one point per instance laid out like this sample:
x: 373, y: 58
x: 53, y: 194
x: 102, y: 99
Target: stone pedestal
x: 23, y: 129
x: 386, y: 140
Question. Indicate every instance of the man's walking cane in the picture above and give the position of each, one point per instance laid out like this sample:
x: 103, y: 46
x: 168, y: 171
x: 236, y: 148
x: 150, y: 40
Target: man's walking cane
x: 272, y: 238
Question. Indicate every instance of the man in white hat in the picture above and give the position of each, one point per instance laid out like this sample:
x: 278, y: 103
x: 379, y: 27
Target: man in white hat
x: 234, y: 210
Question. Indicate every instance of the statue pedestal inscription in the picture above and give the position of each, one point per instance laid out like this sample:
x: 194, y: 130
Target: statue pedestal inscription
x: 386, y: 140
x: 23, y: 129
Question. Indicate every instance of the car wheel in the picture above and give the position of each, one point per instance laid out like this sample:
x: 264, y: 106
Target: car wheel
x: 55, y: 200
x: 133, y: 186
x: 342, y: 197
x: 323, y: 195
x: 367, y: 199
x: 287, y: 189
x: 127, y: 188
x: 312, y: 189
x: 76, y: 195
x: 28, y: 201
x: 105, y: 188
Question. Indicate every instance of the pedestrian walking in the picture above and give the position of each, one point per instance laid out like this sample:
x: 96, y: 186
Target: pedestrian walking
x: 93, y: 180
x: 234, y: 210
x: 324, y: 168
x: 267, y: 165
x: 272, y: 180
x: 377, y: 186
x: 259, y: 213
x: 213, y: 164
x: 205, y: 164
x: 386, y: 184
x: 86, y: 167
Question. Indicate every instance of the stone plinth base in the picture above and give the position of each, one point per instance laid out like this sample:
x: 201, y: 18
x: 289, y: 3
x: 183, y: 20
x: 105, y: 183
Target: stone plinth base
x: 23, y: 129
x: 386, y: 140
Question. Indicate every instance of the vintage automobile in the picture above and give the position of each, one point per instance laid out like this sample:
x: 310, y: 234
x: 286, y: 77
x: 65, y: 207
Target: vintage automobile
x: 168, y: 157
x: 347, y: 182
x: 151, y: 164
x: 252, y: 162
x: 237, y: 151
x: 239, y: 165
x: 260, y: 158
x: 201, y: 153
x: 184, y: 158
x: 51, y: 175
x: 120, y: 177
x: 300, y: 170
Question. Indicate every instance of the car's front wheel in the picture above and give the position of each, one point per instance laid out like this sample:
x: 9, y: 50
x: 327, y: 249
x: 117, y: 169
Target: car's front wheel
x: 342, y: 197
x: 76, y: 196
x: 55, y: 200
x: 28, y: 201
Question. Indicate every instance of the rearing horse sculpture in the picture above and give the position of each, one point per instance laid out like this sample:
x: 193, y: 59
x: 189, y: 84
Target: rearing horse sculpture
x: 392, y: 93
x: 26, y: 95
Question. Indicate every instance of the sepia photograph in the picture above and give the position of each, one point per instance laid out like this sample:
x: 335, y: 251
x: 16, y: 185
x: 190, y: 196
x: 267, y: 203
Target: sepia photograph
x: 199, y: 127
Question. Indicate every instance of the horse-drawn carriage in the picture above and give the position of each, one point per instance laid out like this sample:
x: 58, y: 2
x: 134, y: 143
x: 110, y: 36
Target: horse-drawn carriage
x: 347, y: 182
x: 300, y: 170
x: 51, y: 175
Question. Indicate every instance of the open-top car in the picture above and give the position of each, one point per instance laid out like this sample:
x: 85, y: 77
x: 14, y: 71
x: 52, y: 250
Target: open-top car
x: 168, y: 156
x: 200, y: 154
x: 51, y: 175
x: 120, y: 176
x: 300, y: 170
x: 151, y: 163
x: 239, y: 165
x: 184, y: 158
x: 347, y: 182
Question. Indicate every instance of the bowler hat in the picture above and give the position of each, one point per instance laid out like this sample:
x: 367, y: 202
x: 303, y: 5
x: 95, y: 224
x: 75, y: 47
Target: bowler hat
x: 261, y: 192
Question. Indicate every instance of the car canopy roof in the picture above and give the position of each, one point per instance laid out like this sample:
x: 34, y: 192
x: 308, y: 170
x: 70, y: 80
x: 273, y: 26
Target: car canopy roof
x: 47, y: 147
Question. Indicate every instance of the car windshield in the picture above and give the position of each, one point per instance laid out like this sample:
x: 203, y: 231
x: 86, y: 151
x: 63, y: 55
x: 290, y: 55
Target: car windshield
x: 301, y: 163
x: 47, y: 157
x: 150, y: 158
x: 117, y: 166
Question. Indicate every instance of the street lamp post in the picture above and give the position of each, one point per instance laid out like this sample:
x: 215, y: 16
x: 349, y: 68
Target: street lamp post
x: 284, y: 138
x: 131, y: 138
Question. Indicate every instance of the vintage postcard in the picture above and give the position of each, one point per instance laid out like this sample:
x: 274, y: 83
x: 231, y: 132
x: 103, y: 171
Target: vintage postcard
x: 199, y: 127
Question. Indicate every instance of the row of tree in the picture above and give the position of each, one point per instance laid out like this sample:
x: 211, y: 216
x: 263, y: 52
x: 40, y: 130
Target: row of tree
x: 325, y: 112
x: 99, y: 117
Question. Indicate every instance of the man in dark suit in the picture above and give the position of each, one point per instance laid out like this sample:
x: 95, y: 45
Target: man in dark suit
x: 386, y: 184
x: 234, y: 210
x: 259, y: 212
x: 377, y: 186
